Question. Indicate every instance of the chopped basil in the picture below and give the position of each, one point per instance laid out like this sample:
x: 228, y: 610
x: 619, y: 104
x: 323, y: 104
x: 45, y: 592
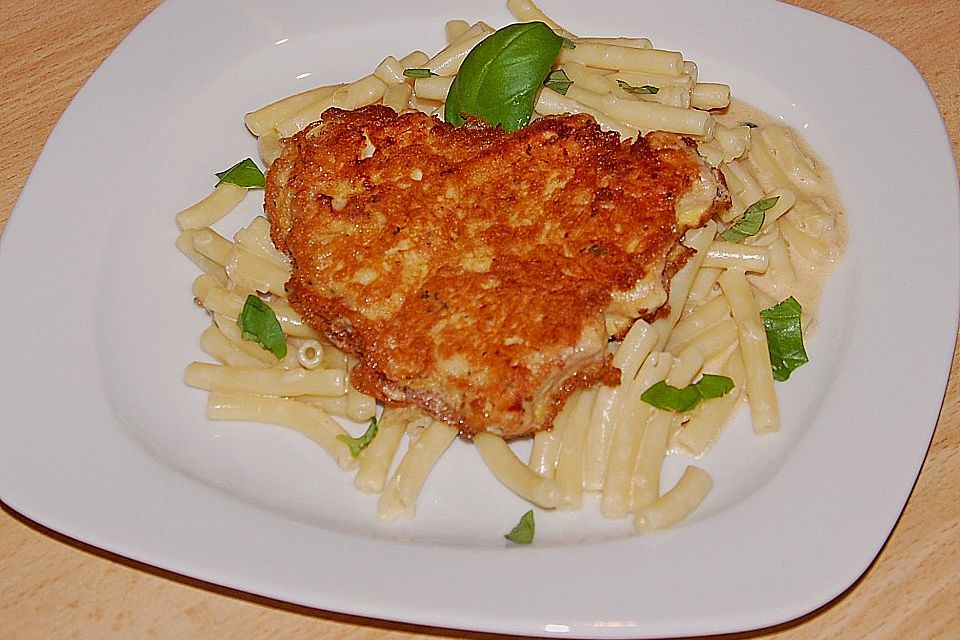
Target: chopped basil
x: 523, y: 532
x: 259, y: 324
x: 669, y: 398
x: 245, y: 173
x: 750, y: 223
x: 418, y: 73
x: 558, y: 81
x: 784, y: 337
x: 359, y: 444
x: 645, y: 89
x: 499, y: 79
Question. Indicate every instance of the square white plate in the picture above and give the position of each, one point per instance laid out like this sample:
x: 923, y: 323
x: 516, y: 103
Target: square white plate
x: 101, y: 441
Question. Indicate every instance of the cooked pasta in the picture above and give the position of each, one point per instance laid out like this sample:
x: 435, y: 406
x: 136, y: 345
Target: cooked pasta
x: 606, y: 442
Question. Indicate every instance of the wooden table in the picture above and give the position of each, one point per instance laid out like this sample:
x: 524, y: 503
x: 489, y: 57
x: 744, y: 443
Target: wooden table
x: 52, y: 587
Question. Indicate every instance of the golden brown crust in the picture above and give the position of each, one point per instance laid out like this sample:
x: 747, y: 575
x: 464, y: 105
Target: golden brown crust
x: 468, y: 269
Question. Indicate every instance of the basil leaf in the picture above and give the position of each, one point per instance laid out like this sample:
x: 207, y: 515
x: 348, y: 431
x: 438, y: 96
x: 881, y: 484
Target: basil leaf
x: 418, y: 73
x: 750, y: 223
x: 645, y: 89
x: 245, y: 173
x: 523, y: 532
x: 687, y: 398
x: 499, y: 78
x: 259, y: 324
x: 713, y: 386
x: 784, y: 337
x: 558, y: 81
x: 669, y: 398
x: 359, y: 444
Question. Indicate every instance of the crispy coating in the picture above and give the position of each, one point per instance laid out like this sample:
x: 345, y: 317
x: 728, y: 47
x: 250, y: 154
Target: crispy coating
x: 469, y: 270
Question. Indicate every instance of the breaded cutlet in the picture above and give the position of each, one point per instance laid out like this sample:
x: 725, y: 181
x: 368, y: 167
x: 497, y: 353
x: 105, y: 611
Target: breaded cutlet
x: 476, y: 273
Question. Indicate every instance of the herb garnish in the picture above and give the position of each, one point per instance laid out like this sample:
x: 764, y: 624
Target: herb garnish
x: 669, y: 398
x: 245, y: 174
x: 558, y: 81
x: 418, y: 73
x: 784, y: 337
x: 523, y: 532
x: 359, y: 444
x: 259, y: 323
x: 750, y: 223
x: 499, y: 79
x: 645, y: 89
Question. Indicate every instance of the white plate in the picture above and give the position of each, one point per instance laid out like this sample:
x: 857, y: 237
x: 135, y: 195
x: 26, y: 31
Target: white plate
x: 101, y: 441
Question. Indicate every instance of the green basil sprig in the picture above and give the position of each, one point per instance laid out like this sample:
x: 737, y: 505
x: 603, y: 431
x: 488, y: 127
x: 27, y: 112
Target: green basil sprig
x: 750, y: 223
x: 499, y: 79
x: 524, y: 531
x: 359, y: 444
x: 259, y: 323
x: 784, y: 337
x: 245, y: 174
x: 669, y: 398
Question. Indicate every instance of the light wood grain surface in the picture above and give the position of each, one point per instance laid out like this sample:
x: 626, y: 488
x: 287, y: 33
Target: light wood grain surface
x: 51, y: 587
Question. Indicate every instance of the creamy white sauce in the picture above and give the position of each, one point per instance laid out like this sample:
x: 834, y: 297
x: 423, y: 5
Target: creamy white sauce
x: 810, y: 276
